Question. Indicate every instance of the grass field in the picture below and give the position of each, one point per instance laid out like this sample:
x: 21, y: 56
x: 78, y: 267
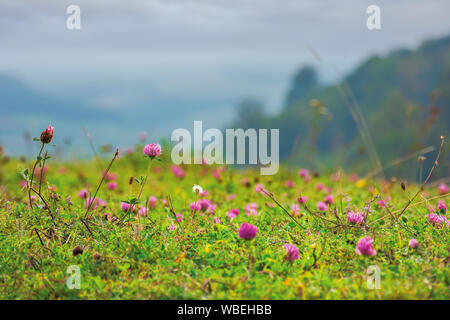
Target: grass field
x: 186, y: 244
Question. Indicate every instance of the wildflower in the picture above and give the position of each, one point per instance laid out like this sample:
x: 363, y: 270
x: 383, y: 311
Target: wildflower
x: 216, y: 174
x: 442, y: 207
x: 216, y: 221
x: 177, y: 171
x: 92, y: 202
x: 303, y: 173
x: 83, y: 193
x: 172, y: 227
x: 47, y: 135
x: 102, y: 203
x: 329, y: 199
x: 290, y: 184
x: 143, y: 211
x: 247, y: 231
x: 111, y: 176
x: 438, y: 220
x: 413, y: 243
x: 269, y: 204
x: 231, y: 197
x: 246, y: 182
x: 361, y: 183
x: 204, y: 204
x: 152, y: 150
x: 152, y: 201
x: 111, y: 186
x: 443, y: 188
x: 233, y: 213
x: 38, y: 171
x: 259, y: 188
x: 250, y: 209
x: 179, y: 217
x: 364, y: 247
x: 212, y: 208
x: 382, y: 203
x: 302, y: 199
x: 204, y: 193
x: 322, y: 206
x: 126, y: 207
x: 291, y: 252
x: 23, y: 183
x: 320, y: 186
x: 197, y: 189
x: 195, y: 206
x: 354, y: 217
x: 295, y: 209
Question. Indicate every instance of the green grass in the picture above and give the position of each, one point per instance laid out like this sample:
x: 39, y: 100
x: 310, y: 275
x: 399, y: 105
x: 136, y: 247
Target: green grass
x: 142, y: 259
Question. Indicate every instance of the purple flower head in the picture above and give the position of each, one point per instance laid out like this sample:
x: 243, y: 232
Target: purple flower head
x: 443, y: 188
x: 233, y: 213
x: 442, y: 207
x: 438, y: 220
x: 152, y: 201
x: 152, y: 150
x: 126, y: 207
x: 143, y: 211
x: 111, y: 186
x: 364, y: 247
x: 302, y: 199
x: 322, y: 206
x: 291, y: 252
x: 354, y: 217
x: 177, y: 171
x: 247, y: 231
x: 413, y: 243
x: 83, y: 194
x: 303, y: 173
x: 329, y: 199
x: 295, y: 209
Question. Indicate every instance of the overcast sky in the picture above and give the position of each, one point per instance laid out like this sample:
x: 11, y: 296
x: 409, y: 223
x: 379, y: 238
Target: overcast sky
x: 136, y: 52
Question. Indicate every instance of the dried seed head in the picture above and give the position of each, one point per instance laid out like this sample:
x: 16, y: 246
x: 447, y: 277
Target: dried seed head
x: 131, y: 180
x: 77, y: 250
x: 403, y: 185
x: 96, y: 256
x: 421, y: 159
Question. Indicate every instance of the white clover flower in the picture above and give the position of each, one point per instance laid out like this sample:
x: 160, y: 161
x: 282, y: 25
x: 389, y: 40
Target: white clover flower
x: 197, y: 189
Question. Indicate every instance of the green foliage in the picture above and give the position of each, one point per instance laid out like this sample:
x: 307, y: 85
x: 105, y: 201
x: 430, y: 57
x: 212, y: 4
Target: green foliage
x: 141, y: 258
x: 404, y: 97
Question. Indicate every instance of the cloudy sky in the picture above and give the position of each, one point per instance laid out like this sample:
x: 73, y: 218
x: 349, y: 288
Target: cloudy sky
x: 197, y: 58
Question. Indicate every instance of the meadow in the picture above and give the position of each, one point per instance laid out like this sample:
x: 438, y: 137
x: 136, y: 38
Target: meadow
x: 139, y: 227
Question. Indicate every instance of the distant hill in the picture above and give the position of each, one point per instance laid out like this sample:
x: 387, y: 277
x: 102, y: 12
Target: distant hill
x: 404, y: 98
x: 16, y: 98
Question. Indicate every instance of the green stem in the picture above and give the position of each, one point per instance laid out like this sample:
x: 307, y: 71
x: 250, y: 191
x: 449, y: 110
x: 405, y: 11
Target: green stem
x: 32, y: 175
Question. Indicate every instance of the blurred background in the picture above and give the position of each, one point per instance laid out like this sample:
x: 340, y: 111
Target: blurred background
x: 341, y: 95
